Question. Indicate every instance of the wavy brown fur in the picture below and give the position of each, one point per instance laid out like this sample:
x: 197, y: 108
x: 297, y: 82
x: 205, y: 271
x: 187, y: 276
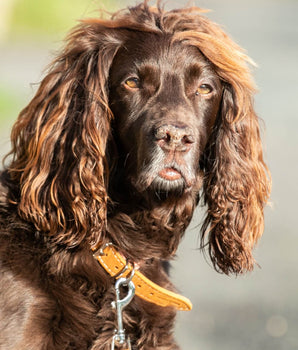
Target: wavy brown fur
x: 72, y: 182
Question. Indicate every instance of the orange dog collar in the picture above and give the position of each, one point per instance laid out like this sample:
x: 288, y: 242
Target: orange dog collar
x: 115, y: 264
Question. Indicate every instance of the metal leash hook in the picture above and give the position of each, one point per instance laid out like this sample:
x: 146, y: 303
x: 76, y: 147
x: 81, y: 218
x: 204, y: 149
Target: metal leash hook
x: 119, y: 339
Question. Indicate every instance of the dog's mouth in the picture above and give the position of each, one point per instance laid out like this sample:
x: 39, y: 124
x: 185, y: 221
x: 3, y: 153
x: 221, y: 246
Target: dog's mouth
x: 170, y: 174
x: 169, y: 180
x: 160, y: 177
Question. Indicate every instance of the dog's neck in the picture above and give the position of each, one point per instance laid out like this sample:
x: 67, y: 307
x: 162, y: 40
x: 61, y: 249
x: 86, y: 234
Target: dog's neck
x: 153, y: 230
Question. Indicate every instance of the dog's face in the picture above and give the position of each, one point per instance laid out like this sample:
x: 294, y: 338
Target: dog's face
x: 165, y: 97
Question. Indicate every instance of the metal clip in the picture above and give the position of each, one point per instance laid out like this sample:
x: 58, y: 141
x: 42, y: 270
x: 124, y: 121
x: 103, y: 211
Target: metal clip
x: 100, y: 251
x: 120, y: 339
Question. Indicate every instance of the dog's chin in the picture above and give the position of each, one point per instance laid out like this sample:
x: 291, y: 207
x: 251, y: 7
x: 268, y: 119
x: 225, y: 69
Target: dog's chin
x: 164, y: 183
x: 162, y: 189
x: 165, y: 188
x: 167, y: 184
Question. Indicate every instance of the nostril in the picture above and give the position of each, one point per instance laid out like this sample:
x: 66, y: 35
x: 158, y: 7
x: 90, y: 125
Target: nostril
x: 172, y: 136
x: 187, y: 139
x: 168, y: 137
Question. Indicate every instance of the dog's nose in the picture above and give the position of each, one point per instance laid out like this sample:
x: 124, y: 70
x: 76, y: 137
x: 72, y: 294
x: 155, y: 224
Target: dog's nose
x: 171, y: 137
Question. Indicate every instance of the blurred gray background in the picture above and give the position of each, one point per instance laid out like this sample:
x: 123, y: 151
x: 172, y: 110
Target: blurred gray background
x: 258, y: 311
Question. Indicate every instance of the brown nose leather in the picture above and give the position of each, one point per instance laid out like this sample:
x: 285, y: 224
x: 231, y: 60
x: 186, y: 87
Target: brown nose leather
x: 174, y: 137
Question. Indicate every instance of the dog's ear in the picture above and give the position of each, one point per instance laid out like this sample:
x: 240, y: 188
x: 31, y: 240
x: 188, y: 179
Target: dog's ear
x: 59, y: 140
x: 236, y: 185
x: 236, y: 180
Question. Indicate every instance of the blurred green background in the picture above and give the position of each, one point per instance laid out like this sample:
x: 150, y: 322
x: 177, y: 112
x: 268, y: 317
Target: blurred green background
x: 38, y: 19
x: 258, y: 311
x: 37, y: 24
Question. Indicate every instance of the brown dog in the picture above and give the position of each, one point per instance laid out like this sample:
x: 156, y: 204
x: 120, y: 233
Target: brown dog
x: 139, y: 117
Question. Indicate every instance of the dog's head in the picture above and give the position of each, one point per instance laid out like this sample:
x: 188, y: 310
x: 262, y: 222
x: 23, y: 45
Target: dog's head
x: 165, y: 98
x: 173, y: 94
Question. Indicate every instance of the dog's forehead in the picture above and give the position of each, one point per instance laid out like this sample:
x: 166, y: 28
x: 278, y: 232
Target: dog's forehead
x: 160, y: 48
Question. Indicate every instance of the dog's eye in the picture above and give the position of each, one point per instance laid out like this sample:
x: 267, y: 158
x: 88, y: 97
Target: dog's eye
x: 132, y: 83
x: 204, y: 89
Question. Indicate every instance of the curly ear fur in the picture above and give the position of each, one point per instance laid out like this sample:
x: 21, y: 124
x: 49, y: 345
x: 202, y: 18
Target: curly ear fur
x: 59, y: 141
x: 236, y: 185
x: 237, y: 182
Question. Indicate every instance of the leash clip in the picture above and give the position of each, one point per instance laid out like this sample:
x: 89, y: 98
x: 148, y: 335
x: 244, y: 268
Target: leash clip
x: 120, y: 339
